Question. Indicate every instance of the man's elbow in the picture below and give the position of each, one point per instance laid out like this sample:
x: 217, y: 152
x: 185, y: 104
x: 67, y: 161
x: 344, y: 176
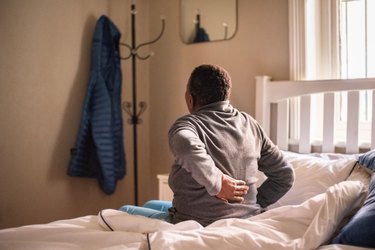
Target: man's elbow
x: 289, y: 177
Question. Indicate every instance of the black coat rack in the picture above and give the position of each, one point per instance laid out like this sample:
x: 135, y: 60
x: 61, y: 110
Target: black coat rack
x: 131, y: 108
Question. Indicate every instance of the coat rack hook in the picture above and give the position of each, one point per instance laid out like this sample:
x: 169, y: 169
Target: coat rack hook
x: 126, y: 106
x: 152, y: 41
x: 130, y: 51
x: 134, y: 51
x: 142, y: 108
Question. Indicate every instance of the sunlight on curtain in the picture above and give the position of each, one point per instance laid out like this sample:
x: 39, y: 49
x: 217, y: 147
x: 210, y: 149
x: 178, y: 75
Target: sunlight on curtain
x: 357, y: 35
x: 339, y: 42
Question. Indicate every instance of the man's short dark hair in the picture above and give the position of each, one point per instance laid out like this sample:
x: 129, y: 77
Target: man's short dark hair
x: 209, y: 83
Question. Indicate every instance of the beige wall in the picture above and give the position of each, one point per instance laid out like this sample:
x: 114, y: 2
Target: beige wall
x: 44, y: 69
x: 260, y: 46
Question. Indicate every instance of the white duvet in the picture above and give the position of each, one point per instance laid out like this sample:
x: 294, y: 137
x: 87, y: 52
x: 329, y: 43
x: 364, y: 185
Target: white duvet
x: 304, y: 226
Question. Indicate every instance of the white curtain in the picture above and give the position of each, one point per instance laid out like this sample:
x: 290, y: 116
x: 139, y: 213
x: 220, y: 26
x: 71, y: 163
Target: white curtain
x: 314, y: 50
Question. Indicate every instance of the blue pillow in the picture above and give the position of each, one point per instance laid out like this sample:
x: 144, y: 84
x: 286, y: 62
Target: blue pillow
x: 368, y: 160
x: 360, y: 231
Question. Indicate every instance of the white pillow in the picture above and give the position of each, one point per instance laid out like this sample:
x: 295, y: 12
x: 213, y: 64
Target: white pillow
x: 313, y: 176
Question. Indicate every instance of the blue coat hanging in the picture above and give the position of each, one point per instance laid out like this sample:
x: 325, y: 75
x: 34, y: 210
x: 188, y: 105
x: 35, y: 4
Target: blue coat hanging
x: 99, y: 149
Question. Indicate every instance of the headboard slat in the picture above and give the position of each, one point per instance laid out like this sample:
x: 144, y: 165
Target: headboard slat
x: 352, y: 122
x: 283, y: 127
x: 328, y: 123
x: 305, y: 125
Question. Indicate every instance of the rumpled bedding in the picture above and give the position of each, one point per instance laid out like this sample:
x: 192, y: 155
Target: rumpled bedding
x: 304, y: 226
x: 307, y: 217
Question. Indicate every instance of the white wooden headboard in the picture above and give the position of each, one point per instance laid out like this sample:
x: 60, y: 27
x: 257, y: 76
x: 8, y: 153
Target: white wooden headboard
x: 279, y: 93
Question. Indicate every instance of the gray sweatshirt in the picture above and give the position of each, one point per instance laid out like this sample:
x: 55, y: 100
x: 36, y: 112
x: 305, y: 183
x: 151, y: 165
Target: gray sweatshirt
x: 218, y: 139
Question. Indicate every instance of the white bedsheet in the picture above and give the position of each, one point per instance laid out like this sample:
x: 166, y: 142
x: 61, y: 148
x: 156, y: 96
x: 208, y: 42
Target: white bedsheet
x: 79, y: 233
x: 305, y: 226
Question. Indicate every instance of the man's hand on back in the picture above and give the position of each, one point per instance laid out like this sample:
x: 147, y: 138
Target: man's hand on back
x: 232, y: 190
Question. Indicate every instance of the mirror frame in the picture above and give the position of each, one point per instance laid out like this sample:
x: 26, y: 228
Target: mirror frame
x: 203, y: 34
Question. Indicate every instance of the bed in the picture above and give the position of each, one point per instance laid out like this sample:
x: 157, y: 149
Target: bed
x: 333, y: 195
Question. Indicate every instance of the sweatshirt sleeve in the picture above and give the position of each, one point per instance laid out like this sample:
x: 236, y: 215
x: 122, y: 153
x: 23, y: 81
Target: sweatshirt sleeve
x: 190, y: 153
x: 280, y: 174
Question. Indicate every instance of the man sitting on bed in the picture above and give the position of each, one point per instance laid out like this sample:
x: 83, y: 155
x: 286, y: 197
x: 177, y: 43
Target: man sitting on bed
x: 218, y: 151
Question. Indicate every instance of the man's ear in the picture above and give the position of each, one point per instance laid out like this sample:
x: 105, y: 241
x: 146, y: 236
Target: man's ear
x: 189, y: 101
x: 192, y: 101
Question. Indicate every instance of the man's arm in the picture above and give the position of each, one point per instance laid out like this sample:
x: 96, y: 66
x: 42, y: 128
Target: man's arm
x: 279, y: 172
x: 190, y: 154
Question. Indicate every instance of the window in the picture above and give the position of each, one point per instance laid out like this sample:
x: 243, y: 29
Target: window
x: 357, y: 55
x: 337, y: 40
x: 357, y: 33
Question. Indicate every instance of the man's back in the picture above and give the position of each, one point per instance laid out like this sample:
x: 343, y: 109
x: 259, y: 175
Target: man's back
x: 218, y: 139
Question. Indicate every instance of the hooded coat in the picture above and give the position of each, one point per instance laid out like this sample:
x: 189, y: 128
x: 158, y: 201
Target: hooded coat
x: 99, y: 149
